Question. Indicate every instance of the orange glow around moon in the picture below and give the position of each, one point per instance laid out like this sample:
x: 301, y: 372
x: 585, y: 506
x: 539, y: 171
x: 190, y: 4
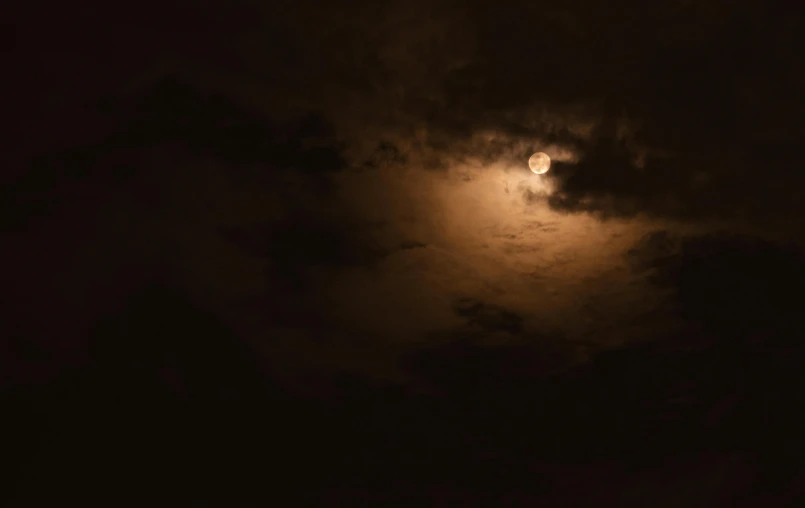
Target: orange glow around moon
x: 539, y: 163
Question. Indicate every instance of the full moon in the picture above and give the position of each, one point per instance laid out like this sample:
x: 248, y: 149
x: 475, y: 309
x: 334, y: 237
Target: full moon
x: 539, y: 163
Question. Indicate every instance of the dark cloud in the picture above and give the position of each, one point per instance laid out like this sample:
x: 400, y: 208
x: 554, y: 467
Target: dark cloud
x: 411, y: 244
x: 212, y: 124
x: 465, y: 360
x: 678, y: 73
x: 695, y: 103
x: 311, y: 244
x: 166, y: 366
x: 161, y: 331
x: 655, y: 249
x: 488, y: 317
x: 704, y: 95
x: 740, y: 299
x: 174, y: 114
x: 734, y: 286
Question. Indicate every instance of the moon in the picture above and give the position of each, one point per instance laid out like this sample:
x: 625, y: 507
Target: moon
x: 539, y: 163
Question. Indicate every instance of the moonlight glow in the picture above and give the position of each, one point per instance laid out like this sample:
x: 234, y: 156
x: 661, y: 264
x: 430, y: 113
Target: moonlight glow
x: 539, y: 163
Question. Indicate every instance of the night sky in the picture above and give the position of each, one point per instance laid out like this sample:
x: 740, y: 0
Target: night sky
x: 290, y: 253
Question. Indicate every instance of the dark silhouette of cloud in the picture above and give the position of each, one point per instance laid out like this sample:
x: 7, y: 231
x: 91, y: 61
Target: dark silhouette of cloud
x: 170, y: 396
x: 654, y: 250
x: 214, y: 125
x: 488, y: 317
x: 734, y: 285
x: 412, y: 244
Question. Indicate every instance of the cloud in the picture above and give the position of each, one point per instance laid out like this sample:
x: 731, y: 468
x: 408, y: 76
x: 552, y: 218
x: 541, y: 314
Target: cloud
x: 661, y: 109
x: 706, y: 125
x: 344, y: 188
x: 653, y: 250
x: 381, y: 178
x: 487, y: 317
x: 738, y: 286
x: 734, y: 286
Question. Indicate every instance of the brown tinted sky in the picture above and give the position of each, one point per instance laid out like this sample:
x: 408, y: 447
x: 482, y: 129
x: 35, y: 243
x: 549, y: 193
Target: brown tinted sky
x: 339, y: 192
x: 345, y: 182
